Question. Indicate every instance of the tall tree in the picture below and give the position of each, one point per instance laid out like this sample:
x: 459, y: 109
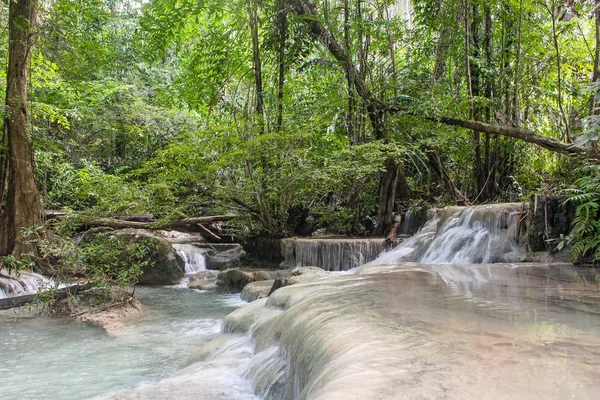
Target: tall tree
x: 22, y: 207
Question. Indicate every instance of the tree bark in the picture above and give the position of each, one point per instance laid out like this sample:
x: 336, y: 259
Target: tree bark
x: 282, y: 37
x: 180, y: 223
x: 392, y: 237
x: 256, y: 61
x: 353, y: 134
x: 23, y: 209
x: 519, y: 133
x: 387, y: 196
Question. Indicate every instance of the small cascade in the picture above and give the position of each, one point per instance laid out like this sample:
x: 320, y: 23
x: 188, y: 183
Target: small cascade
x: 331, y: 254
x: 405, y: 225
x: 466, y: 235
x: 192, y: 256
x: 24, y: 282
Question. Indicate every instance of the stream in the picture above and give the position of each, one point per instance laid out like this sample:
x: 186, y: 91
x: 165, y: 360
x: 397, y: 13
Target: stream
x: 452, y: 312
x: 51, y: 359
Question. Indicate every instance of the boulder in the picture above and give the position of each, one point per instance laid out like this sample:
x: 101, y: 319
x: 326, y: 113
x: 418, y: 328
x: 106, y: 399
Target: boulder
x: 299, y: 275
x: 262, y: 275
x: 203, y: 280
x: 256, y: 290
x: 225, y: 259
x: 166, y: 267
x: 235, y: 279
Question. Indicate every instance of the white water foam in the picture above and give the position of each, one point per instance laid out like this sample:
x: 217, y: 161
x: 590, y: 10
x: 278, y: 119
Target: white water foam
x: 471, y: 235
x: 18, y: 284
x: 193, y: 257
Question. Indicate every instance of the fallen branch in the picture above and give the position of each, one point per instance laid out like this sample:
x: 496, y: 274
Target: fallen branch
x: 208, y: 232
x: 180, y: 223
x: 18, y: 301
x: 128, y: 301
x: 49, y: 214
x: 519, y: 133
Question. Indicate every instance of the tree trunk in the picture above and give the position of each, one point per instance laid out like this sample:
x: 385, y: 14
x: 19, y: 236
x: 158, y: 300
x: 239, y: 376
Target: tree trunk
x: 436, y: 163
x: 387, y: 195
x: 184, y: 223
x: 256, y: 61
x: 22, y: 208
x: 353, y: 134
x: 553, y: 13
x: 282, y: 37
x: 375, y: 109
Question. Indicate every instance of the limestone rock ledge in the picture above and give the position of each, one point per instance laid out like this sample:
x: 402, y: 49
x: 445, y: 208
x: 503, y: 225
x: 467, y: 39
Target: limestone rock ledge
x: 404, y: 331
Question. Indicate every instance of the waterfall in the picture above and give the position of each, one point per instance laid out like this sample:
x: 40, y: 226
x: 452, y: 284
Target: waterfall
x: 331, y: 254
x: 405, y: 225
x: 192, y: 256
x: 404, y: 331
x: 465, y: 235
x: 25, y: 282
x: 411, y: 322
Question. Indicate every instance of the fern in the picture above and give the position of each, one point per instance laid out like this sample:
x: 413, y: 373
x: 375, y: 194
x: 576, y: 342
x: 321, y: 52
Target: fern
x: 585, y: 193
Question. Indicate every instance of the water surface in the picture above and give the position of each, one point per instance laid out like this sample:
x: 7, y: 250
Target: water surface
x: 54, y: 359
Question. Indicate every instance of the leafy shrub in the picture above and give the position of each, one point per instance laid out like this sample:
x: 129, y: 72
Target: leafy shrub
x: 586, y: 194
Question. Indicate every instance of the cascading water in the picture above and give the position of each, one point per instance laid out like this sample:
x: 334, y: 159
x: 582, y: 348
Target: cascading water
x: 469, y: 235
x: 193, y: 257
x: 397, y: 329
x: 405, y: 225
x: 407, y: 331
x: 331, y: 254
x: 24, y: 282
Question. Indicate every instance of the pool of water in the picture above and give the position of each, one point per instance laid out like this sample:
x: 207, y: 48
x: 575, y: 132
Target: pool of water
x: 50, y: 359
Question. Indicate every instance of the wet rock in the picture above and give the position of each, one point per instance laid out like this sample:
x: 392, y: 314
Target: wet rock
x: 257, y: 290
x: 550, y: 218
x: 263, y: 252
x: 262, y: 275
x: 225, y: 259
x: 203, y: 280
x: 299, y: 275
x: 166, y: 267
x: 235, y: 279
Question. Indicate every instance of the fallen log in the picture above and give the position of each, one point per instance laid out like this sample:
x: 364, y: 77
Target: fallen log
x: 525, y: 135
x: 49, y: 214
x: 18, y: 301
x: 191, y: 222
x: 138, y: 217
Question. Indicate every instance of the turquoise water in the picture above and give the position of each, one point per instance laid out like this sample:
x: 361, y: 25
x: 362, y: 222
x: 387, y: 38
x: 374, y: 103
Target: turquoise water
x: 51, y: 359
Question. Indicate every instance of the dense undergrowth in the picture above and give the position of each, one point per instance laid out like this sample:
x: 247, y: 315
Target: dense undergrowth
x: 157, y: 109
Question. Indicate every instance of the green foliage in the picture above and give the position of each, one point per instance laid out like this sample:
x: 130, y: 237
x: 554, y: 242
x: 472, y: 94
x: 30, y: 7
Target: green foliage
x: 91, y: 188
x: 152, y: 108
x: 107, y: 262
x: 586, y: 226
x: 111, y: 260
x: 13, y: 265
